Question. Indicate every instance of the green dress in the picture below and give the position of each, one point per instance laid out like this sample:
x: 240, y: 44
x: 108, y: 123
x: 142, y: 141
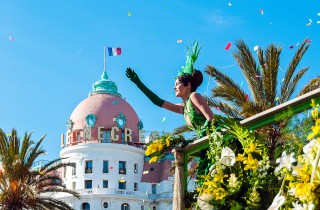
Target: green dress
x: 199, y: 125
x: 199, y: 121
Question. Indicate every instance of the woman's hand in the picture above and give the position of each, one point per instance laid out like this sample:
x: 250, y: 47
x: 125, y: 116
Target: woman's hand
x: 132, y: 76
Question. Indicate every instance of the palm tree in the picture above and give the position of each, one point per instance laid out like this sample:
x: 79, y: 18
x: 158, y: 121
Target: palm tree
x: 21, y: 185
x: 262, y: 78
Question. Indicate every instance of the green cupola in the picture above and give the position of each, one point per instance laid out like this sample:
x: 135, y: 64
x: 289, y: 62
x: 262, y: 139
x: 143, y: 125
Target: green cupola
x: 104, y: 86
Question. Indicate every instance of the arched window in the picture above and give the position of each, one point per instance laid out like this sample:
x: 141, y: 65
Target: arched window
x: 125, y: 206
x: 105, y: 205
x: 85, y: 206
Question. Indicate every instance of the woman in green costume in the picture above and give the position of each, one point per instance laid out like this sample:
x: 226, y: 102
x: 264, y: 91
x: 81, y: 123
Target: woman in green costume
x: 196, y: 112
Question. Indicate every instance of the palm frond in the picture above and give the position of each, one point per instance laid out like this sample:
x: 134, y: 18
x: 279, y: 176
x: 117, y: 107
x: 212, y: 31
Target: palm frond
x: 270, y: 66
x: 311, y: 85
x: 292, y: 86
x: 293, y: 66
x: 225, y: 108
x: 248, y: 66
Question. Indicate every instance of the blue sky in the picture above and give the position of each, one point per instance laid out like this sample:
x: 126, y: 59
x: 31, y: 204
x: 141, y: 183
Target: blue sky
x: 55, y: 52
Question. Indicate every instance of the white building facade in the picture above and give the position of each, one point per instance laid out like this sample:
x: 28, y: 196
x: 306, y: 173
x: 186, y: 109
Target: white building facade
x: 104, y: 141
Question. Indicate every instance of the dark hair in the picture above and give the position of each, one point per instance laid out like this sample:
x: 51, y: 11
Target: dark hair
x: 195, y: 79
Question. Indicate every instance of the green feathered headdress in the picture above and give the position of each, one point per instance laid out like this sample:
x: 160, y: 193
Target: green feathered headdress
x: 192, y: 55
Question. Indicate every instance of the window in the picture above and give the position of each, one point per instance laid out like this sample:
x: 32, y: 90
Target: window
x: 152, y: 169
x: 85, y: 206
x: 106, y: 136
x: 64, y: 172
x: 135, y: 168
x: 125, y: 206
x: 122, y: 184
x: 105, y: 183
x: 74, y: 170
x: 74, y: 185
x: 122, y: 137
x: 105, y: 205
x: 135, y: 186
x: 105, y: 167
x: 122, y: 167
x: 88, y: 184
x: 88, y: 169
x: 78, y: 137
x: 154, y: 189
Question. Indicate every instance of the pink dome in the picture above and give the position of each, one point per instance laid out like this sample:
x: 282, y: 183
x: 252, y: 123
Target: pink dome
x: 99, y: 113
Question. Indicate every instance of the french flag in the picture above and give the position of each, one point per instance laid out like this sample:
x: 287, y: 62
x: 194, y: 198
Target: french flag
x: 114, y: 51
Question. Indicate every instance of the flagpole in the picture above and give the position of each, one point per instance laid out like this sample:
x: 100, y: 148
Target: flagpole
x: 105, y: 59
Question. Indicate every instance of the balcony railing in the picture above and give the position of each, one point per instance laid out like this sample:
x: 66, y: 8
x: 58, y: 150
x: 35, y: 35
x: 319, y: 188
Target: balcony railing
x: 266, y: 117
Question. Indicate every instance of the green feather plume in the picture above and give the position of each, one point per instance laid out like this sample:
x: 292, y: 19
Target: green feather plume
x: 192, y: 55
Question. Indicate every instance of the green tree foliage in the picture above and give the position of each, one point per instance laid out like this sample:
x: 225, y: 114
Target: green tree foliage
x: 22, y: 186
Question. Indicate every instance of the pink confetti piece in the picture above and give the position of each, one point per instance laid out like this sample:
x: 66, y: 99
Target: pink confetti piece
x: 309, y: 41
x: 11, y: 38
x: 111, y: 167
x: 291, y: 47
x: 261, y: 11
x: 258, y: 76
x: 228, y: 46
x: 218, y: 109
x: 247, y: 97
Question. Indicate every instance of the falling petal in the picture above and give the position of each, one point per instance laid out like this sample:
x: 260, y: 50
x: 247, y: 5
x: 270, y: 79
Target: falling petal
x: 179, y: 41
x: 11, y: 38
x: 163, y: 119
x: 228, y: 46
x: 291, y: 47
x: 256, y: 48
x: 247, y: 97
x: 261, y: 11
x: 258, y: 76
x: 241, y: 83
x: 229, y: 3
x: 277, y: 98
x: 129, y: 14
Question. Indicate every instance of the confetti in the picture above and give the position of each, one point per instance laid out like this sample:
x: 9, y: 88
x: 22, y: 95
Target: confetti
x: 318, y: 22
x: 261, y: 11
x: 218, y: 109
x: 318, y: 13
x: 229, y: 3
x: 179, y: 41
x: 247, y: 97
x: 111, y: 167
x: 258, y: 76
x: 11, y: 38
x: 241, y: 83
x: 129, y: 14
x: 228, y: 46
x: 309, y: 41
x: 282, y: 79
x: 163, y: 119
x: 297, y: 44
x: 291, y: 47
x: 256, y: 48
x: 277, y: 98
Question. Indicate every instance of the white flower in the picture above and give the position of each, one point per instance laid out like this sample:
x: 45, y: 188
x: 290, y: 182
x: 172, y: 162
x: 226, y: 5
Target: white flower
x: 285, y: 161
x: 277, y: 202
x: 297, y: 206
x: 228, y: 157
x: 308, y: 147
x: 203, y: 202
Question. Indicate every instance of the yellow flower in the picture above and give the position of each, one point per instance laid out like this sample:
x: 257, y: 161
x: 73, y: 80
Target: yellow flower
x: 251, y: 163
x: 302, y: 190
x: 240, y: 158
x: 168, y: 142
x: 153, y: 159
x: 219, y: 177
x: 219, y: 193
x: 250, y: 149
